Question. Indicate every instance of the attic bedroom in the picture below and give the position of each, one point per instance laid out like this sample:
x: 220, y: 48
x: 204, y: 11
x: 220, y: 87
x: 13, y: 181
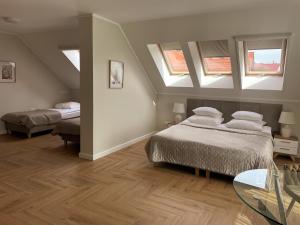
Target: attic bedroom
x: 143, y: 112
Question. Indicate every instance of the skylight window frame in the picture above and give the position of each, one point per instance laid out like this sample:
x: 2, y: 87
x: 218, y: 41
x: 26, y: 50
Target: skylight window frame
x: 62, y: 49
x: 168, y: 80
x: 207, y: 73
x: 264, y: 73
x: 172, y: 73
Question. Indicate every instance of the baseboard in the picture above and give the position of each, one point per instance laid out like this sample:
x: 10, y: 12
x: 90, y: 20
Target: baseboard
x: 85, y: 156
x: 115, y: 148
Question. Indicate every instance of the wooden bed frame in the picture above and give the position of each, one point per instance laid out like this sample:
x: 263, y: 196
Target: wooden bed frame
x: 23, y: 129
x: 70, y: 138
x: 271, y: 113
x: 68, y: 130
x: 197, y: 173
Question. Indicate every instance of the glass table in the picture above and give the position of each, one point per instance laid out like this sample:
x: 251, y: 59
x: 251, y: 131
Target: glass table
x: 273, y: 193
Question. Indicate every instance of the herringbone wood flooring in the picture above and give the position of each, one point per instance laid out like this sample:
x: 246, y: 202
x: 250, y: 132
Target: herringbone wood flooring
x: 41, y: 182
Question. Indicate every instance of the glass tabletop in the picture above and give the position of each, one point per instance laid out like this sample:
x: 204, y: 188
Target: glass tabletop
x: 273, y: 193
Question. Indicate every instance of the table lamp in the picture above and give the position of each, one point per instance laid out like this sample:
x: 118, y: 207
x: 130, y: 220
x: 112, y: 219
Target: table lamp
x: 286, y: 119
x: 178, y: 109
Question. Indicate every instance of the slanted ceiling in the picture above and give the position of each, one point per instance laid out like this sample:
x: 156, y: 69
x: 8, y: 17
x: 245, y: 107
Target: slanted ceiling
x: 219, y: 26
x: 34, y: 14
x: 211, y: 26
x: 46, y: 46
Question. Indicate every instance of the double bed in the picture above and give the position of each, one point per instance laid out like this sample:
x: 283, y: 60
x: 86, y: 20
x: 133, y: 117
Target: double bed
x: 34, y: 121
x: 217, y: 149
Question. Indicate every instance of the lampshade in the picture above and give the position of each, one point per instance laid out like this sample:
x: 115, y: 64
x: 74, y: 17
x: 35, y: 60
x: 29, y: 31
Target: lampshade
x: 178, y: 108
x: 287, y: 118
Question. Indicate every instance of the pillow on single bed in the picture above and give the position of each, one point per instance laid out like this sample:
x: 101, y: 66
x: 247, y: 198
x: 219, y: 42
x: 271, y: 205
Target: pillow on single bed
x: 247, y: 115
x: 67, y: 105
x: 244, y: 125
x: 206, y: 120
x: 208, y: 111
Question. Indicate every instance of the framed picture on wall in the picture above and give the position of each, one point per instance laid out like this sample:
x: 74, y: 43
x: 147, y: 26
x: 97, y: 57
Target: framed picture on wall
x: 116, y: 74
x: 7, y: 72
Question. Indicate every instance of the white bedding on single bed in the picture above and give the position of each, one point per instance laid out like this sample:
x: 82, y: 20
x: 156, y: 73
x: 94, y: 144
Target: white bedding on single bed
x: 68, y: 113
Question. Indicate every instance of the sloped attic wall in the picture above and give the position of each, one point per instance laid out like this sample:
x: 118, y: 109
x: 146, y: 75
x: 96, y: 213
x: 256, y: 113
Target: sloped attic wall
x: 36, y: 87
x: 220, y: 26
x: 46, y: 45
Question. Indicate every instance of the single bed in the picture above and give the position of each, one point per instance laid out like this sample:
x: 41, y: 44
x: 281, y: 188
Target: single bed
x: 69, y: 130
x: 34, y: 121
x: 217, y: 149
x: 68, y: 113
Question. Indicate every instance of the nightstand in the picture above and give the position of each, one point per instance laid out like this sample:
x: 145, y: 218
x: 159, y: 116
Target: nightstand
x: 285, y: 146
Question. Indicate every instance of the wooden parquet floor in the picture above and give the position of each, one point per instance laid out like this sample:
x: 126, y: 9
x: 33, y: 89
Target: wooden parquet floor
x: 41, y: 182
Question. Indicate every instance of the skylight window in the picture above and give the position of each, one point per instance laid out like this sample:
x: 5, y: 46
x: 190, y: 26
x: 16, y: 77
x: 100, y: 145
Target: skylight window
x: 212, y: 63
x: 262, y: 61
x: 73, y: 56
x: 215, y: 57
x: 174, y: 58
x: 265, y: 57
x: 171, y: 64
x: 217, y: 65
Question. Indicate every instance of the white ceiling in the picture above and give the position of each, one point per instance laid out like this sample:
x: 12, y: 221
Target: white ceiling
x: 44, y: 14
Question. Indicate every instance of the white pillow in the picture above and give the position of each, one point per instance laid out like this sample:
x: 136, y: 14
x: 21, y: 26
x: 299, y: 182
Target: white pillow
x: 67, y: 105
x: 263, y: 123
x: 206, y: 120
x: 244, y: 125
x: 208, y: 111
x: 246, y: 115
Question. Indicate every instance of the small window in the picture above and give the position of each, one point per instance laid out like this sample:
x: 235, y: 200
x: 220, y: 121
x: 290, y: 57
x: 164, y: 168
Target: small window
x: 265, y: 57
x: 175, y: 73
x: 174, y: 58
x: 73, y: 56
x: 215, y: 57
x: 262, y: 60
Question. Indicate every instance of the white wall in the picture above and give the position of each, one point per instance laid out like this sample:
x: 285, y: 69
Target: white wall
x: 36, y: 86
x: 119, y: 115
x: 220, y: 26
x: 46, y: 46
x: 86, y: 88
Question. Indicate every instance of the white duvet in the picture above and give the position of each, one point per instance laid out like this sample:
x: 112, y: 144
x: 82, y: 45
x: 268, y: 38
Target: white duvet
x: 68, y: 113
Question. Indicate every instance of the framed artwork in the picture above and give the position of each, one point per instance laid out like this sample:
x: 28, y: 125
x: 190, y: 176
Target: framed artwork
x: 116, y: 74
x: 7, y: 72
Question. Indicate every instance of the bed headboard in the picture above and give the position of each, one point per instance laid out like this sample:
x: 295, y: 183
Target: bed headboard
x: 271, y: 112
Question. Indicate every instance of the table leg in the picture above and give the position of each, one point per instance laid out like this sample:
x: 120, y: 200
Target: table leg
x: 290, y: 207
x: 263, y: 207
x: 271, y: 222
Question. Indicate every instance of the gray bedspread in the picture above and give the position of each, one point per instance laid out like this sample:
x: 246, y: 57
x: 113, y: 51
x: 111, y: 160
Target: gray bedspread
x: 222, y: 150
x: 70, y: 127
x: 33, y: 118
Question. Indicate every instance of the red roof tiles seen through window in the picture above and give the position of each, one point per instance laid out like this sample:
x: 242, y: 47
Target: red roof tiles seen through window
x: 262, y: 67
x: 176, y: 61
x: 217, y: 65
